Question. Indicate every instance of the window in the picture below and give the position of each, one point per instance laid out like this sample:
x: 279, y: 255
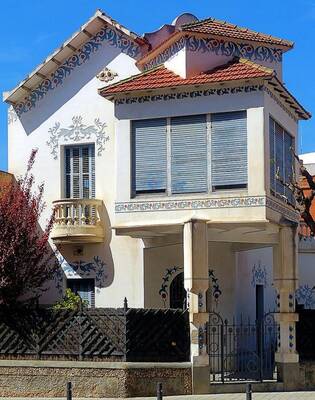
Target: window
x: 281, y: 160
x: 149, y: 156
x: 175, y: 155
x: 189, y: 154
x: 229, y: 150
x: 80, y: 172
x: 85, y: 288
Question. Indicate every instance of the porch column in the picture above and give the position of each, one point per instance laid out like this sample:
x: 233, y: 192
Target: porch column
x: 196, y: 284
x: 285, y: 270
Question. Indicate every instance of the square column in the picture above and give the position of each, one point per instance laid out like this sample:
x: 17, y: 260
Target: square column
x: 285, y: 271
x: 196, y: 283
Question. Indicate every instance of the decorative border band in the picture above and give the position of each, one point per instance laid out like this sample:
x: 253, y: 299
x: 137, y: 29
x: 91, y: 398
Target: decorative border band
x: 219, y: 47
x: 195, y: 204
x: 190, y: 94
x: 106, y: 34
x: 200, y: 204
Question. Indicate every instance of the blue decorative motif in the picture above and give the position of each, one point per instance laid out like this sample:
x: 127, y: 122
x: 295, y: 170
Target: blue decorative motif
x: 190, y: 94
x: 106, y: 34
x: 163, y: 292
x: 79, y: 269
x: 259, y: 275
x: 173, y: 205
x: 170, y: 272
x: 305, y: 295
x: 216, y: 291
x: 76, y: 132
x: 219, y: 47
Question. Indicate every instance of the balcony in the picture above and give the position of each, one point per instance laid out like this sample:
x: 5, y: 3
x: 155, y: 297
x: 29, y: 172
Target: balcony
x: 77, y: 221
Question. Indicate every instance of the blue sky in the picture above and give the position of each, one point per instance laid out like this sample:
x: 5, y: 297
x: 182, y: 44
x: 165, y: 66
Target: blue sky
x: 31, y: 30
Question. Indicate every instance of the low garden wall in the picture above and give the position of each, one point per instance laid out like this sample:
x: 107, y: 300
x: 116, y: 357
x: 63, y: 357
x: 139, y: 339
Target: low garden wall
x: 38, y: 378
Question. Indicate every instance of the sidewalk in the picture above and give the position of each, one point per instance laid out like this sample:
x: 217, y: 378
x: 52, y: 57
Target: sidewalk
x: 232, y: 396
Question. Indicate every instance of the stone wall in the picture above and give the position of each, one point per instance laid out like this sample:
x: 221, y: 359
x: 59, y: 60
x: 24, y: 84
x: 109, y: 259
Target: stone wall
x: 25, y: 378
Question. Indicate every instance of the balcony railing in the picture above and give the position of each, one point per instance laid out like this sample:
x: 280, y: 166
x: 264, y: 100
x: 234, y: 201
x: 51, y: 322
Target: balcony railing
x: 78, y: 221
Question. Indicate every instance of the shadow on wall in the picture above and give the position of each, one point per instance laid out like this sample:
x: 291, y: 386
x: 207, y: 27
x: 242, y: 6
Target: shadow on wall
x: 80, y: 76
x: 83, y: 261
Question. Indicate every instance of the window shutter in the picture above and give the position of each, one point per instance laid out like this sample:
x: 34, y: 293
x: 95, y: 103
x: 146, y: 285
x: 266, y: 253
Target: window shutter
x: 149, y: 155
x: 229, y: 149
x: 85, y: 288
x: 80, y: 172
x: 189, y: 154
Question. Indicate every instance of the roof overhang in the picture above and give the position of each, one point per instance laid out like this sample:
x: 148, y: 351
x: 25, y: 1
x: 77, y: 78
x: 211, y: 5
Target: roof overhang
x: 69, y: 47
x: 274, y: 84
x: 180, y: 34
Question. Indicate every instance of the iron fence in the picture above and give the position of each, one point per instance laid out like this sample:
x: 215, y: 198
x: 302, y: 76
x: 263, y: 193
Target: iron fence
x: 241, y: 349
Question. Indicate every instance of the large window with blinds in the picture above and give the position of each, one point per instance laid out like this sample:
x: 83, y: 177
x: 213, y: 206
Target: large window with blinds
x: 189, y: 154
x: 281, y: 160
x: 80, y: 172
x: 85, y: 288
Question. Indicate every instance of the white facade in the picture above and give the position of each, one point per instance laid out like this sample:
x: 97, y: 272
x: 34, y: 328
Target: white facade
x: 142, y: 249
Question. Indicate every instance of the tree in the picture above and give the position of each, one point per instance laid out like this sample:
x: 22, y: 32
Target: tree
x: 26, y: 259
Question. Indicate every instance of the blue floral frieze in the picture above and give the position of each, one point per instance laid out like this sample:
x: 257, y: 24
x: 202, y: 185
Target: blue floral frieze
x: 219, y: 47
x: 305, y: 295
x: 259, y: 275
x: 78, y: 131
x: 56, y: 79
x: 81, y: 269
x: 189, y: 95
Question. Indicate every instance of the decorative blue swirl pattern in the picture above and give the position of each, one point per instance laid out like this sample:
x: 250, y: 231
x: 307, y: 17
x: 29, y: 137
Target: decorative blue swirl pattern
x: 218, y: 47
x: 106, y: 34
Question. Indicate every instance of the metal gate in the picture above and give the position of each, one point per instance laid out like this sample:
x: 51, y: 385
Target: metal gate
x: 241, y: 350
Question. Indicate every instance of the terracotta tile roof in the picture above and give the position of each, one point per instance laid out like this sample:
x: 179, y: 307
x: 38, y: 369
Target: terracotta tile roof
x: 162, y: 77
x: 213, y: 26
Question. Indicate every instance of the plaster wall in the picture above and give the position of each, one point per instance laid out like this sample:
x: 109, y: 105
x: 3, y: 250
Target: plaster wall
x: 164, y: 262
x: 77, y: 97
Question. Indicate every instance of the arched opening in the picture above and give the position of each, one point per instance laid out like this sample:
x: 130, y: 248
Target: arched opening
x: 178, y: 292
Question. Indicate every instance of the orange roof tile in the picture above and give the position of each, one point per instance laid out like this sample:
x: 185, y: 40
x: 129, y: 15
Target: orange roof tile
x: 162, y: 77
x: 221, y: 28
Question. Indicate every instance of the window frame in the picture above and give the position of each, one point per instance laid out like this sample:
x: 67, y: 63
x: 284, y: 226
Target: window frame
x: 92, y: 170
x: 274, y: 192
x: 168, y: 191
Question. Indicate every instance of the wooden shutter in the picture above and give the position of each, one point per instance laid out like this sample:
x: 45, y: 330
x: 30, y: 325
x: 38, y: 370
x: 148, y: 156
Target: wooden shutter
x: 80, y: 171
x: 189, y: 154
x: 149, y: 150
x: 85, y: 288
x: 229, y: 150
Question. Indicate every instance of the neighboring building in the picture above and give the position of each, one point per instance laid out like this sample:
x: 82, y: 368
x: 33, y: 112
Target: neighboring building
x: 160, y: 155
x: 5, y: 179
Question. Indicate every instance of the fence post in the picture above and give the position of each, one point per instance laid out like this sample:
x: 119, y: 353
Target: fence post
x: 222, y: 351
x: 69, y: 391
x: 159, y: 392
x: 249, y: 391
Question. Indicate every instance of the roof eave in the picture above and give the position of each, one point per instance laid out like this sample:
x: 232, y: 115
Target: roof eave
x: 86, y: 31
x: 300, y: 111
x: 139, y: 92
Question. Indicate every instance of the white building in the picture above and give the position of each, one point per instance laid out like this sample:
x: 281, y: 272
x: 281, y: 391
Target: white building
x: 160, y: 153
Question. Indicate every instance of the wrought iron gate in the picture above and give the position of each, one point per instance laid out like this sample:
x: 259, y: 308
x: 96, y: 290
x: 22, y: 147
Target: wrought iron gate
x: 241, y: 350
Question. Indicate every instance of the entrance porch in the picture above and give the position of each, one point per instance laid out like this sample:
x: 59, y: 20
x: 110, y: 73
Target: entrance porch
x: 199, y: 264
